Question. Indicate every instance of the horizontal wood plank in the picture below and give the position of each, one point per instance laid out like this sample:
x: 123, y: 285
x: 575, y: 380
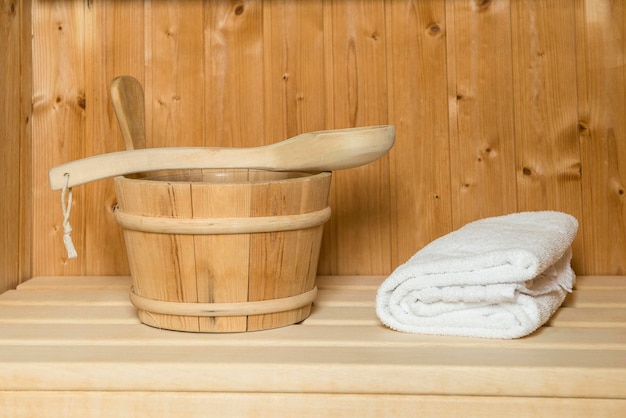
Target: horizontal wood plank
x: 76, y: 282
x: 393, y: 370
x: 346, y: 336
x: 26, y: 404
x: 82, y: 334
x: 66, y: 297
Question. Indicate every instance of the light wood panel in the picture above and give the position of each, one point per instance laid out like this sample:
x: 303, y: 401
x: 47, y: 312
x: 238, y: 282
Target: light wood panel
x: 10, y: 127
x: 499, y: 106
x: 86, y: 343
x: 59, y: 128
x: 601, y: 30
x: 111, y: 52
x: 233, y: 53
x: 26, y: 148
x: 358, y: 234
x: 420, y: 165
x: 548, y: 163
x: 175, y: 42
x: 294, y: 68
x: 482, y: 156
x: 254, y: 405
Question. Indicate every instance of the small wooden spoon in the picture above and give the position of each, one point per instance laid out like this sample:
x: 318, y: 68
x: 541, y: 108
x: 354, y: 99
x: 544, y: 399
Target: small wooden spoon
x: 312, y: 151
x: 128, y: 103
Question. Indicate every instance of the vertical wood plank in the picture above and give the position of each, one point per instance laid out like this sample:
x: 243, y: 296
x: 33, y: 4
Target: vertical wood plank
x: 420, y: 169
x: 58, y: 129
x: 358, y: 236
x: 116, y: 47
x: 162, y: 265
x: 482, y: 150
x: 293, y: 55
x: 10, y: 128
x: 284, y: 263
x: 222, y: 260
x: 26, y: 142
x: 177, y: 78
x: 214, y: 70
x: 601, y: 48
x: 234, y: 92
x: 546, y: 114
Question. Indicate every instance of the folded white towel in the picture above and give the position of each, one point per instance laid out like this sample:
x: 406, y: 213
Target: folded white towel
x: 500, y: 277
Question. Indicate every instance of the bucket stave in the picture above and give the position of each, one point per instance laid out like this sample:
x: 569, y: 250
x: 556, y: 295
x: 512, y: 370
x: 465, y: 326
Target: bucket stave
x: 223, y: 250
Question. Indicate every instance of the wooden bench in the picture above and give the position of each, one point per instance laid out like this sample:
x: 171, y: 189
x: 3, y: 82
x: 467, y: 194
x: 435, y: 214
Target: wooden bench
x: 72, y: 346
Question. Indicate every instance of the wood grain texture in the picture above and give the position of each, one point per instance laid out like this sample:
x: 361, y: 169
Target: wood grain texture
x: 87, y: 344
x: 219, y: 264
x: 163, y: 265
x: 176, y: 63
x: 358, y: 234
x: 420, y: 164
x: 26, y: 220
x: 111, y: 53
x: 601, y: 29
x: 59, y: 128
x: 482, y: 156
x: 11, y: 122
x: 234, y: 92
x: 25, y: 404
x: 294, y: 68
x: 546, y: 116
x: 499, y: 106
x: 220, y: 268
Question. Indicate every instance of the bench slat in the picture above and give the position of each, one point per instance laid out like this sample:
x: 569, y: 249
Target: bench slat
x: 82, y: 334
x: 323, y: 282
x: 95, y: 334
x: 359, y: 297
x: 394, y: 370
x: 324, y: 315
x: 84, y: 404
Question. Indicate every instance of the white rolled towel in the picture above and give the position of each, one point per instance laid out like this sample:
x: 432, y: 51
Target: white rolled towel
x: 500, y: 277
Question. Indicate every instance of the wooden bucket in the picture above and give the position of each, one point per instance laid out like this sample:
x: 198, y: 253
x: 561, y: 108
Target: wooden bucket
x: 223, y: 250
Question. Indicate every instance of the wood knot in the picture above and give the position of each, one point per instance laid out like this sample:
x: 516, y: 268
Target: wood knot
x: 583, y: 128
x: 482, y: 4
x: 433, y: 29
x: 82, y: 102
x: 239, y: 9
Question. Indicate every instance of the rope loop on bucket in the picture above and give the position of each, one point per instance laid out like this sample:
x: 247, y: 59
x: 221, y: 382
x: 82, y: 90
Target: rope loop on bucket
x: 67, y: 209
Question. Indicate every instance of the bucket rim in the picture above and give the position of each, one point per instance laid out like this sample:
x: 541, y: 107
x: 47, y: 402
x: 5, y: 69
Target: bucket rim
x: 300, y: 176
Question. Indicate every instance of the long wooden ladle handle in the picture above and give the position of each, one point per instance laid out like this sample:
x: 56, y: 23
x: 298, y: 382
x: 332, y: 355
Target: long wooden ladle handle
x: 314, y: 151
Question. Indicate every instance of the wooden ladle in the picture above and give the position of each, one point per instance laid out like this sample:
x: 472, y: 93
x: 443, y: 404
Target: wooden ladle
x: 313, y: 151
x: 128, y: 102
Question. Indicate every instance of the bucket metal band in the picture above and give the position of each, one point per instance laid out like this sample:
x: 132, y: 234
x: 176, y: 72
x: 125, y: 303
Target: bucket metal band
x: 219, y: 226
x: 223, y: 309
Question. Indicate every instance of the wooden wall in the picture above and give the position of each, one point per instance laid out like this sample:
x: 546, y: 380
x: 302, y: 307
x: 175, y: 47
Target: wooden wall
x: 499, y: 105
x: 15, y: 142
